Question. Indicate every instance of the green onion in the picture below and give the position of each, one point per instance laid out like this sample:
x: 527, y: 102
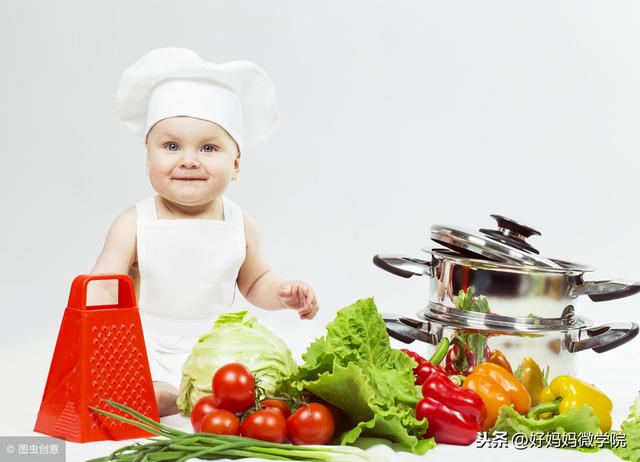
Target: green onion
x: 174, y: 445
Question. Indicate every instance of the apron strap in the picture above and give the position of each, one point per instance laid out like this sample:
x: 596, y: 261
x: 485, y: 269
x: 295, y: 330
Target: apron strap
x: 232, y: 212
x: 146, y: 209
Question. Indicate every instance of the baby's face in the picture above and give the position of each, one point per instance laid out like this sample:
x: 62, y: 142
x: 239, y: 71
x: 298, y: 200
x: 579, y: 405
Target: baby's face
x: 190, y: 161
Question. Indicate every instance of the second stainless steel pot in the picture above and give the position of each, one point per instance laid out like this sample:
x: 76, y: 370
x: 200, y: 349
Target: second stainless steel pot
x: 552, y: 343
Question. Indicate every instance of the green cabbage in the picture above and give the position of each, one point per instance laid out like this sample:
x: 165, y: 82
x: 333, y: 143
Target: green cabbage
x: 234, y: 338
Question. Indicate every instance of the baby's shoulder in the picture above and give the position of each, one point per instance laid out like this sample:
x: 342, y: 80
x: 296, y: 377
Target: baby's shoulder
x: 248, y: 222
x: 128, y: 216
x: 125, y: 223
x: 251, y: 231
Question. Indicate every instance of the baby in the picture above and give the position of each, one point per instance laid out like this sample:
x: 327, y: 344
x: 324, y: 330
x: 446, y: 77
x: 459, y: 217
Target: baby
x: 188, y: 247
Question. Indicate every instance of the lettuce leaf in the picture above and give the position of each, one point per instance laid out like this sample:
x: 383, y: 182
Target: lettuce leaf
x: 355, y: 369
x: 631, y: 428
x: 580, y: 420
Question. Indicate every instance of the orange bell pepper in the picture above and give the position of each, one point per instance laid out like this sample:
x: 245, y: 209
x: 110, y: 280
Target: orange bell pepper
x: 498, y: 357
x: 497, y: 387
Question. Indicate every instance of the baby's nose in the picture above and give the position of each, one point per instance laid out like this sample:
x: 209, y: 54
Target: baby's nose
x: 189, y: 162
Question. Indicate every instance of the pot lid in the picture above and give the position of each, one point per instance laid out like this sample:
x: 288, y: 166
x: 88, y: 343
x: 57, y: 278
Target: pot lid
x: 507, y: 244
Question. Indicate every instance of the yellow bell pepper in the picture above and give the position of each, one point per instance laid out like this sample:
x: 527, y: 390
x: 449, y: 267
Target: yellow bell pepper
x: 532, y: 378
x: 574, y: 393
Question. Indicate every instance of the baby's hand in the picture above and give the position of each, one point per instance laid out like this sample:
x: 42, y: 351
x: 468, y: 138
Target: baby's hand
x: 299, y: 296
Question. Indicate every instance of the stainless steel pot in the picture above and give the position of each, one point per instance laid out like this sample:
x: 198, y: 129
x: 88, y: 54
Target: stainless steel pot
x: 552, y: 342
x: 501, y: 266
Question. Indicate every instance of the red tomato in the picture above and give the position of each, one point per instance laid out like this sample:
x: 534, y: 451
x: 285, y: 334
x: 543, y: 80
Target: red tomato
x: 311, y: 424
x: 220, y: 422
x: 234, y: 388
x: 202, y: 407
x: 276, y: 405
x: 265, y: 425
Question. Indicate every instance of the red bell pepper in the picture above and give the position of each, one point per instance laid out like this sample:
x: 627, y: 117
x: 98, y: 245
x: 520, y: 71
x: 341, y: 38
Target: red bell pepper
x: 416, y: 357
x: 413, y: 355
x: 425, y: 370
x: 454, y: 415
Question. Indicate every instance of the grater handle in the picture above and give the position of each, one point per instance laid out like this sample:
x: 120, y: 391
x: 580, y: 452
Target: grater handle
x: 78, y: 294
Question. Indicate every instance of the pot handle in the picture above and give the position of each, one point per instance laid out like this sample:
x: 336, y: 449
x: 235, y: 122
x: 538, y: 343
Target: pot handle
x: 396, y: 329
x: 397, y: 332
x: 605, y: 337
x: 602, y: 291
x: 403, y: 266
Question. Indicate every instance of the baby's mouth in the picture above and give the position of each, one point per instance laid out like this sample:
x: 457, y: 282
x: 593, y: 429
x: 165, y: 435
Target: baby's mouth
x: 189, y: 178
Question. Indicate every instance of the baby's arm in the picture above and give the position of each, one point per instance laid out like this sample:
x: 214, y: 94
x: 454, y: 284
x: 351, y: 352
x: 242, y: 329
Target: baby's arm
x: 266, y: 289
x: 117, y: 256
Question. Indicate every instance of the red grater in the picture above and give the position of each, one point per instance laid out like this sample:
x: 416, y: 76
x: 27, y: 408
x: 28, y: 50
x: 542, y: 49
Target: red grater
x: 100, y: 354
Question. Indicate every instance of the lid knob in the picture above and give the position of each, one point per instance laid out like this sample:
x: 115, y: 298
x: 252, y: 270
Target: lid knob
x: 512, y: 233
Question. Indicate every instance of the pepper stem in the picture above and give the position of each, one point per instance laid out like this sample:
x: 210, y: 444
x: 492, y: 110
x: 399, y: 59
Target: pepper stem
x: 441, y: 351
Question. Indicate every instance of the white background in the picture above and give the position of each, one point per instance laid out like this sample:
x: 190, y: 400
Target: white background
x: 395, y: 116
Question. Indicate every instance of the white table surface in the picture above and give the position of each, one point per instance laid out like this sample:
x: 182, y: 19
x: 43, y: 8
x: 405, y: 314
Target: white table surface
x: 26, y: 364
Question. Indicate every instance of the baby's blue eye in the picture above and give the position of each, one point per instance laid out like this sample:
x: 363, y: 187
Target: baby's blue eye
x: 171, y: 146
x: 208, y: 148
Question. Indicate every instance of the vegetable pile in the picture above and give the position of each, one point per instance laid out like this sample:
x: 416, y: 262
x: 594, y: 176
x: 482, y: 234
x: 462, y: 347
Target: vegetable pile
x: 247, y: 398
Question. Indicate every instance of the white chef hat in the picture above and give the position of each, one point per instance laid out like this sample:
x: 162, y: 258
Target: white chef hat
x: 169, y: 82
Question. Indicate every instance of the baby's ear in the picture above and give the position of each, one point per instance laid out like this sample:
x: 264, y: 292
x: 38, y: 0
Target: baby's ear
x: 236, y: 168
x: 146, y: 166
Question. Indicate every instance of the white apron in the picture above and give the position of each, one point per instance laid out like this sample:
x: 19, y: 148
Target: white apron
x: 188, y: 272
